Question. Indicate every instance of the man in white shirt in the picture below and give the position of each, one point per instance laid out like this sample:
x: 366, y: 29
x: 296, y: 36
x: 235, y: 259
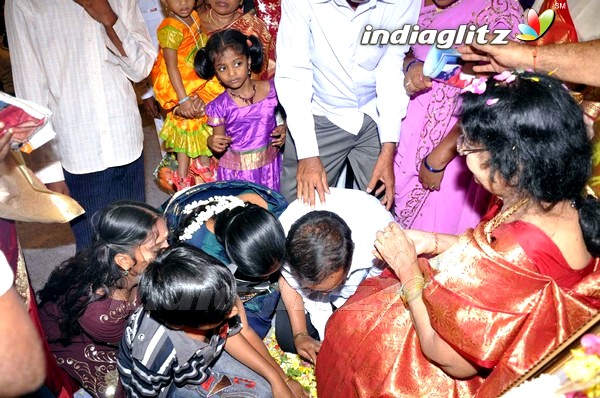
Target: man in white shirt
x: 343, y: 100
x: 78, y: 58
x: 330, y: 252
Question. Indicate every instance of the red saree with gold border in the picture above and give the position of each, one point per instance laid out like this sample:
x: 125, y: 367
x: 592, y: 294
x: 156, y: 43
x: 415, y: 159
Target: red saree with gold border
x: 490, y: 303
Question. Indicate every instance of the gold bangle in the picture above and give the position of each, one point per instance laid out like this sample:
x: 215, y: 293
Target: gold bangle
x: 437, y: 242
x: 419, y: 283
x: 288, y: 379
x: 300, y: 335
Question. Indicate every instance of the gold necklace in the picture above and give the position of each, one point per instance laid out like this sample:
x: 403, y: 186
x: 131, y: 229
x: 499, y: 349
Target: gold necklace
x: 196, y: 25
x: 216, y: 26
x: 119, y: 295
x: 247, y: 100
x: 501, y: 217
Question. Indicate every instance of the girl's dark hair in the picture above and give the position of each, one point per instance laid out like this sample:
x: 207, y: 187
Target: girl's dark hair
x: 119, y: 228
x: 319, y: 244
x: 186, y: 287
x: 537, y: 141
x: 228, y: 39
x: 253, y: 239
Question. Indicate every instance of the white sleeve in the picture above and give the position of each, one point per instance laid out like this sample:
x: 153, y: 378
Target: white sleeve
x: 133, y: 33
x: 392, y: 99
x: 294, y: 75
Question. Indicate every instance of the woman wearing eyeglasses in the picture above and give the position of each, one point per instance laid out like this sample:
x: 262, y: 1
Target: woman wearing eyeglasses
x: 492, y: 302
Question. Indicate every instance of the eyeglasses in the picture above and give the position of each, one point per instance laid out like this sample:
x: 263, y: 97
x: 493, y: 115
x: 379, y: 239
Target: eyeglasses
x: 462, y: 151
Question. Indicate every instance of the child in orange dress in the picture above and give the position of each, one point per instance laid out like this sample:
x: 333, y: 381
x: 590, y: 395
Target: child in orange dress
x: 182, y: 93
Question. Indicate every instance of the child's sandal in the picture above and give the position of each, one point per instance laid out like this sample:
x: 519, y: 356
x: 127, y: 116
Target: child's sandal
x: 181, y: 183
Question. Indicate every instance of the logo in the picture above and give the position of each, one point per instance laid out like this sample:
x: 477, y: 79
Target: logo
x: 536, y: 26
x: 443, y: 39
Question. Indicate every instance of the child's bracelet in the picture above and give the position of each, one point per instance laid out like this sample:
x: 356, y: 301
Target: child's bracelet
x: 300, y: 335
x: 181, y: 101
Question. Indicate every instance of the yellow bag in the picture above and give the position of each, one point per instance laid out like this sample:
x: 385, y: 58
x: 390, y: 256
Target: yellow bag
x: 23, y: 197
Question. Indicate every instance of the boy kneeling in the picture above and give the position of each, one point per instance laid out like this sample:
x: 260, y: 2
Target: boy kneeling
x: 173, y: 345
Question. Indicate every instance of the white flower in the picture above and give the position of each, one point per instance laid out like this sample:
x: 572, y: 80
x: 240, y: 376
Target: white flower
x: 214, y: 206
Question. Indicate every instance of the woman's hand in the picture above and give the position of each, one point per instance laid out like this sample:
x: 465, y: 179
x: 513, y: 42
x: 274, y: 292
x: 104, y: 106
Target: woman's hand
x: 278, y: 135
x: 297, y: 390
x: 414, y: 80
x: 281, y: 390
x: 4, y: 142
x: 398, y: 251
x: 218, y: 143
x: 186, y: 110
x: 425, y: 242
x: 308, y: 348
x: 429, y: 180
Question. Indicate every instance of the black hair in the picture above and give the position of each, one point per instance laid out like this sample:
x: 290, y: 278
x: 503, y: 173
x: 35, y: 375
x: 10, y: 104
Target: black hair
x: 253, y: 239
x: 185, y: 287
x: 537, y: 141
x: 319, y: 244
x: 119, y: 228
x: 221, y: 41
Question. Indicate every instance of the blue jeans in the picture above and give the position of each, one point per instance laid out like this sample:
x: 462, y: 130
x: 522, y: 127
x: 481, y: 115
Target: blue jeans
x: 243, y: 382
x: 260, y: 311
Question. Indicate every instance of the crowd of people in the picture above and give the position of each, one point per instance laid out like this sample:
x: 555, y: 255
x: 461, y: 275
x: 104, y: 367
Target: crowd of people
x: 405, y: 236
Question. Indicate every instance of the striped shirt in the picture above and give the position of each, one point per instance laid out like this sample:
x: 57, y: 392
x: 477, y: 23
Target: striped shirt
x: 64, y: 60
x: 155, y: 360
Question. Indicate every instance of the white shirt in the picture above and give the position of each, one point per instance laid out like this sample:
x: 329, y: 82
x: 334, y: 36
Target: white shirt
x: 6, y: 275
x: 64, y: 60
x: 322, y: 68
x: 365, y: 215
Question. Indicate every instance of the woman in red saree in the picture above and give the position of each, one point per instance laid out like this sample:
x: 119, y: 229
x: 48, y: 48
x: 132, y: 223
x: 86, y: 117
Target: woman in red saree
x: 496, y: 299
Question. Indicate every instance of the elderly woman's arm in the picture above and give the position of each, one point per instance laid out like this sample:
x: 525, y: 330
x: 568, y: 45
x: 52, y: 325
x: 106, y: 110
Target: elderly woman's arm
x: 398, y: 250
x: 434, y: 347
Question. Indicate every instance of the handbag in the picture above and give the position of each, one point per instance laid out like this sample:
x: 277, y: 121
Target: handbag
x: 23, y: 197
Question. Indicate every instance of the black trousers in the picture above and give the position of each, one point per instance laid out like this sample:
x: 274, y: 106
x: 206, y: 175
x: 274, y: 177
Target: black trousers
x: 97, y: 190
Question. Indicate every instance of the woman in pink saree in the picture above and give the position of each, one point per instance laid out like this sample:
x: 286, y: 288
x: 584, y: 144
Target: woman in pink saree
x: 447, y: 201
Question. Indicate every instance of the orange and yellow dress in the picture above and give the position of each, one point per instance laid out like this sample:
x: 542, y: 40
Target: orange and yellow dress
x: 183, y: 135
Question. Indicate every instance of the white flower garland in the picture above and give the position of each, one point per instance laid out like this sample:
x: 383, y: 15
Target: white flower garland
x: 219, y: 204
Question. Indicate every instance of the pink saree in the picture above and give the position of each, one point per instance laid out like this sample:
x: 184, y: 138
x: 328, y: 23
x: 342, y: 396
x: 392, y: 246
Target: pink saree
x: 460, y: 203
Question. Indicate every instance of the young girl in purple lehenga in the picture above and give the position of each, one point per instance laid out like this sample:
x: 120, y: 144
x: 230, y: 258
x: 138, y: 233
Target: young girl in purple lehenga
x: 245, y: 131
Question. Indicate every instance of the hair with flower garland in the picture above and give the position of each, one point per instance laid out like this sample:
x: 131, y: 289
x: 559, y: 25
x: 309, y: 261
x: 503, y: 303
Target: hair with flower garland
x: 537, y: 142
x: 252, y: 236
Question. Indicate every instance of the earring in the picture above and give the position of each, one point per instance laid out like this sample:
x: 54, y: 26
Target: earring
x: 125, y: 272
